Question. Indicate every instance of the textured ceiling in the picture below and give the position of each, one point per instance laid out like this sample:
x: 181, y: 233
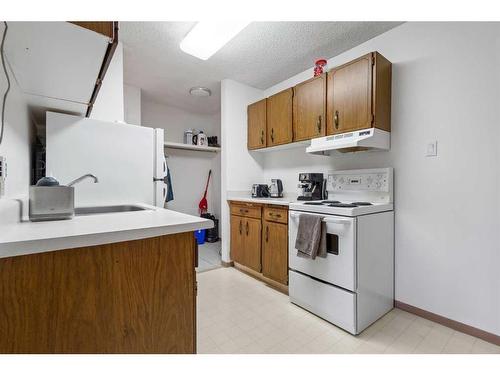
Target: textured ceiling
x: 263, y: 54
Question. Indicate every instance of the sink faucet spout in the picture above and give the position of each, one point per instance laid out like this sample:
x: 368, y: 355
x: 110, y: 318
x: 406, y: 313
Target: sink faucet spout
x: 80, y: 179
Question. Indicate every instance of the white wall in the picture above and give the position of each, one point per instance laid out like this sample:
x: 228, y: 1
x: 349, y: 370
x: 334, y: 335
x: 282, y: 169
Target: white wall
x: 189, y: 169
x: 109, y: 102
x: 445, y: 87
x: 240, y: 169
x: 16, y: 148
x: 132, y: 104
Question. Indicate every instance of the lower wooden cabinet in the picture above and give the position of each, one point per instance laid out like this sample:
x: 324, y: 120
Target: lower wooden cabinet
x: 259, y: 239
x: 252, y: 233
x: 237, y: 253
x: 275, y: 252
x: 126, y: 297
x: 245, y: 240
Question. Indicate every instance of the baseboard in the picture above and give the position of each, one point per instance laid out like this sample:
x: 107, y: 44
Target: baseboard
x: 227, y: 264
x: 453, y: 324
x: 257, y: 275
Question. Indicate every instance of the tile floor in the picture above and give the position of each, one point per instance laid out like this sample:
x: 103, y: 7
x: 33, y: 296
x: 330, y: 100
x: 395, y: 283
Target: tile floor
x: 238, y: 314
x: 209, y: 256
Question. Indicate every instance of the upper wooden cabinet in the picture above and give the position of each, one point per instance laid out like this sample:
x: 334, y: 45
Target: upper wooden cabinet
x: 257, y: 125
x: 279, y: 118
x: 353, y: 96
x: 102, y: 27
x: 359, y: 95
x: 309, y: 100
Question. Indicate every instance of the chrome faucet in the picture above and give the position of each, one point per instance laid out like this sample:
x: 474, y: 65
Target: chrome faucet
x: 80, y: 179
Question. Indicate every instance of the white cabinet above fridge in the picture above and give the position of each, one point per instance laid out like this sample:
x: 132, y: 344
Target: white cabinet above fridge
x: 57, y: 65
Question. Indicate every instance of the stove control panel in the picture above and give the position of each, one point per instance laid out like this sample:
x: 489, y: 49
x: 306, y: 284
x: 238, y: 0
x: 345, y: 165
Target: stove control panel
x: 349, y: 180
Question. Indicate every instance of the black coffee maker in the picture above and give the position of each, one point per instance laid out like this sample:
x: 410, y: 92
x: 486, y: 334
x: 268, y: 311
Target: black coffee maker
x: 311, y: 187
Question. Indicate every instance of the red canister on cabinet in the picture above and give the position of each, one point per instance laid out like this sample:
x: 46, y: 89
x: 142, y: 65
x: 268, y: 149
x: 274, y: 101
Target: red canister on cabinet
x: 319, y: 67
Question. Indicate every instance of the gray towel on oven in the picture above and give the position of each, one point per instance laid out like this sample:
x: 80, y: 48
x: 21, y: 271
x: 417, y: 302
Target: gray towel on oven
x: 322, y: 243
x: 311, y: 237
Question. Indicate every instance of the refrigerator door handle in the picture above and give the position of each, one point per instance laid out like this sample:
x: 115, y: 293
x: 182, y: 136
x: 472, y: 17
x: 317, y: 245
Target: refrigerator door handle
x: 163, y: 179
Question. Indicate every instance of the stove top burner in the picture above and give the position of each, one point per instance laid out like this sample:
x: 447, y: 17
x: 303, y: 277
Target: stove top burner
x: 342, y: 205
x: 338, y: 204
x: 320, y: 203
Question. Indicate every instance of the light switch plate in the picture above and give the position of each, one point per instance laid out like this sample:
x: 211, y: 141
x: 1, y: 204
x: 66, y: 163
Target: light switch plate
x: 431, y: 148
x: 3, y: 175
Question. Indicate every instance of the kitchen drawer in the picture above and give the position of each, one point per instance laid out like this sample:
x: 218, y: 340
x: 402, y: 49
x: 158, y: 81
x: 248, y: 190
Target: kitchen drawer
x: 246, y: 209
x: 336, y: 305
x: 278, y: 215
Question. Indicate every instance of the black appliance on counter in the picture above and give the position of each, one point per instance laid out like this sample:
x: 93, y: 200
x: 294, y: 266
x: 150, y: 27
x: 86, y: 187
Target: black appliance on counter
x: 312, y: 187
x: 260, y: 191
x: 276, y: 188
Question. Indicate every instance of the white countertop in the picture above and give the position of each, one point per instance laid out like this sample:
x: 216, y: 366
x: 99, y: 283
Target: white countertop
x: 247, y: 197
x: 35, y: 237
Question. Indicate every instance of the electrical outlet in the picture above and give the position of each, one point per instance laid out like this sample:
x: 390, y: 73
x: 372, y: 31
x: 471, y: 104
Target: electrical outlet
x: 431, y: 149
x: 3, y: 175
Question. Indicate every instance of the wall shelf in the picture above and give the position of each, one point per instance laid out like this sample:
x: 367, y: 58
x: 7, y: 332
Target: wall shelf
x: 182, y: 146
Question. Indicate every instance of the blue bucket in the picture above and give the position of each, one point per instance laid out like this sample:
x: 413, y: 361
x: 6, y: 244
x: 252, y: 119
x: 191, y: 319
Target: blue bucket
x: 200, y: 236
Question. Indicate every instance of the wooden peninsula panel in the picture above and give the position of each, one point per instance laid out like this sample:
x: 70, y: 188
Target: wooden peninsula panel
x: 128, y: 297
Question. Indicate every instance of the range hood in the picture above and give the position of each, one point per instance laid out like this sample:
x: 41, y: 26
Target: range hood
x: 359, y: 140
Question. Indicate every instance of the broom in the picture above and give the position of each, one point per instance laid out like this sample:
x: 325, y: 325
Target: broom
x: 203, y: 205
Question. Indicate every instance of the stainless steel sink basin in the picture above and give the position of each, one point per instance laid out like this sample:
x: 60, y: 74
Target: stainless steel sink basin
x: 79, y: 211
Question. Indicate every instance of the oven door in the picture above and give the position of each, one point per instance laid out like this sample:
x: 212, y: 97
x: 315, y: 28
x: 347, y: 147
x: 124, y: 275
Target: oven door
x: 339, y: 266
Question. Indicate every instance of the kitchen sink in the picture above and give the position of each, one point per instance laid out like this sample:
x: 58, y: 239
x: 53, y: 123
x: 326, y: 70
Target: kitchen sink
x: 79, y: 211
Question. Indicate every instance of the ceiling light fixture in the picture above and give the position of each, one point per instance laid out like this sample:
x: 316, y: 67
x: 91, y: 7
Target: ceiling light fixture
x: 199, y: 91
x: 206, y: 38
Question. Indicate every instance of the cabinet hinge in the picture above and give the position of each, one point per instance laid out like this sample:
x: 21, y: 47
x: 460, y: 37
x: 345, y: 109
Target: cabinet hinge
x: 373, y: 119
x: 373, y: 59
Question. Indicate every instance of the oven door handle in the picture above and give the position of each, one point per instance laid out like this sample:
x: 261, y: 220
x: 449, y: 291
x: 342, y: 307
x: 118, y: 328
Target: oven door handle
x: 327, y: 220
x: 337, y: 221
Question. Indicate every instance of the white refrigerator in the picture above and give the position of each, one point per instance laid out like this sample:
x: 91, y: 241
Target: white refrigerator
x: 128, y: 160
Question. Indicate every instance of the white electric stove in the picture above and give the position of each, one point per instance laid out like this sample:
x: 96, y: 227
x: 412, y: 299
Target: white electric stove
x: 353, y: 286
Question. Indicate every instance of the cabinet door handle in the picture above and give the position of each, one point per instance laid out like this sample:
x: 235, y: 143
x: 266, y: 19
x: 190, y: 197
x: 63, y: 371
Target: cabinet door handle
x: 267, y: 233
x: 318, y: 124
x: 272, y: 135
x: 240, y: 227
x: 336, y: 119
x: 262, y: 137
x: 243, y: 211
x: 247, y: 228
